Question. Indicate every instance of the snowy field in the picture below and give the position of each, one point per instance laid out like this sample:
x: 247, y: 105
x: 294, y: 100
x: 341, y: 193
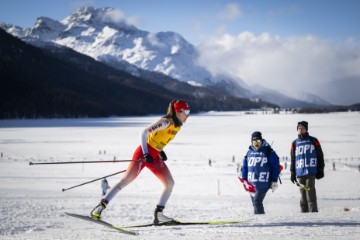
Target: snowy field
x: 32, y: 203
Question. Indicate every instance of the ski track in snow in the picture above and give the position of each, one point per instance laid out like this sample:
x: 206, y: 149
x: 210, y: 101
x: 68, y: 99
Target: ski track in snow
x: 32, y: 205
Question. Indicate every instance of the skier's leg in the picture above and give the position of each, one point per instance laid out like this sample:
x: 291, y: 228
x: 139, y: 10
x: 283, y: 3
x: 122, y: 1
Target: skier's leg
x: 131, y: 173
x: 162, y: 172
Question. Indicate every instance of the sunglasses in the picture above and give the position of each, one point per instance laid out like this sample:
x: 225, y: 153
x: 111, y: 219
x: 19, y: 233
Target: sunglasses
x: 256, y: 141
x: 187, y: 112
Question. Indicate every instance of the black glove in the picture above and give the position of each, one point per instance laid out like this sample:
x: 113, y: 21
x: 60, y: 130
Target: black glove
x: 319, y: 175
x: 162, y: 155
x: 293, y: 177
x: 148, y: 158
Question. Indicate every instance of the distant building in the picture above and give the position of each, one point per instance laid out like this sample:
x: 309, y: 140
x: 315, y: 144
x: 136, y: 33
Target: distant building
x: 276, y: 110
x: 255, y: 100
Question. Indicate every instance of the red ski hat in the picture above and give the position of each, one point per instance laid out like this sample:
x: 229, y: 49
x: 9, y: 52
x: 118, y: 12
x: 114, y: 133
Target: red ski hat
x: 180, y: 105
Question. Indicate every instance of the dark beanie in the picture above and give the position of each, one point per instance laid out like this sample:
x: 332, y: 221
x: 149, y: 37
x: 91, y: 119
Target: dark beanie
x: 304, y: 124
x: 256, y: 136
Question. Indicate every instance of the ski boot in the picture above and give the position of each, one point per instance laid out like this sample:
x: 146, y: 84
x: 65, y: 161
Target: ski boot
x: 160, y: 218
x: 96, y: 212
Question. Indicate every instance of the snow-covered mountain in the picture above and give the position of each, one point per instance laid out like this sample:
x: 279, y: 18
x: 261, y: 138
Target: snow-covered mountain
x: 343, y: 91
x: 101, y: 34
x: 273, y: 96
x: 312, y: 98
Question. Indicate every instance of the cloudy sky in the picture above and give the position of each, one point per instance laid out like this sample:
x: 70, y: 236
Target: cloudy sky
x: 286, y: 45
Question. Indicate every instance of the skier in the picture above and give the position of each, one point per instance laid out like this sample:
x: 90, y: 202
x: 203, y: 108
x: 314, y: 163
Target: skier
x: 150, y: 154
x: 261, y: 169
x: 307, y: 163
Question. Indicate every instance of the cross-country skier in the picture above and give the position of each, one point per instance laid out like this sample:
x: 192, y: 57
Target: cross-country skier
x: 260, y: 168
x: 307, y: 163
x: 151, y: 155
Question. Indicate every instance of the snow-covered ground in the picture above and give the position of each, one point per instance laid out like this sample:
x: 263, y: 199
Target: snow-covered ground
x: 32, y: 203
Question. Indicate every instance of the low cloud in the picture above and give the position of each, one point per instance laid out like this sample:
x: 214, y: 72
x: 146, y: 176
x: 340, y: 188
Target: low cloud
x: 231, y: 11
x: 301, y: 63
x: 82, y: 3
x: 114, y: 15
x: 117, y: 16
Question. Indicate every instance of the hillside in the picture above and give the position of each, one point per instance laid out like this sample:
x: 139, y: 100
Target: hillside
x: 40, y: 83
x: 157, y: 57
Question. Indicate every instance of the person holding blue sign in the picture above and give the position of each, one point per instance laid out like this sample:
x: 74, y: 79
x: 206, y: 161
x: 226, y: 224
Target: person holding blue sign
x: 261, y: 169
x: 307, y: 164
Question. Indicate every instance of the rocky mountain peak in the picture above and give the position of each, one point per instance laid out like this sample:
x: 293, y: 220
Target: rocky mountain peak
x: 99, y: 17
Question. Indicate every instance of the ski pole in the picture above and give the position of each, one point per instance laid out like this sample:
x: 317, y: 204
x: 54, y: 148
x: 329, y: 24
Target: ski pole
x: 65, y: 189
x: 98, y: 161
x: 302, y: 186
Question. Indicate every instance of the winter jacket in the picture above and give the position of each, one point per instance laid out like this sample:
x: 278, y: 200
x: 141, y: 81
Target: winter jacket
x: 307, y: 158
x: 261, y: 167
